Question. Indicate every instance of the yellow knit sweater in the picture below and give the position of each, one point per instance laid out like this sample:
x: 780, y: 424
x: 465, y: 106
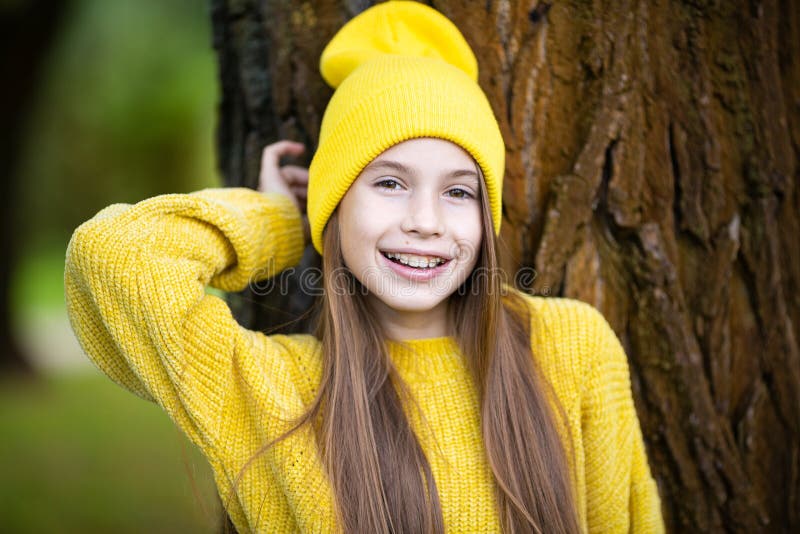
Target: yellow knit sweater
x: 135, y: 286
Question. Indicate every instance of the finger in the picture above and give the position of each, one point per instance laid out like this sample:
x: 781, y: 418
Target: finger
x: 293, y: 174
x: 300, y: 192
x: 270, y: 176
x: 271, y: 156
x: 282, y: 148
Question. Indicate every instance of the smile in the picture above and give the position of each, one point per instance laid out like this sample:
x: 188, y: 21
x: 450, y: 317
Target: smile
x: 415, y: 261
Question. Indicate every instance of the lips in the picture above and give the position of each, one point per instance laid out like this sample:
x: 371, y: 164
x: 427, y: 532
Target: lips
x: 418, y: 273
x: 420, y: 261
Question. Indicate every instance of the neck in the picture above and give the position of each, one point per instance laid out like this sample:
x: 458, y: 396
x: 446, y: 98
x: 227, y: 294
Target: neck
x: 402, y: 325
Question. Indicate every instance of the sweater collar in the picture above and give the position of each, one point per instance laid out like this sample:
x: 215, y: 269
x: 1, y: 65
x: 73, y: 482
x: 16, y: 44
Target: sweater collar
x: 429, y: 359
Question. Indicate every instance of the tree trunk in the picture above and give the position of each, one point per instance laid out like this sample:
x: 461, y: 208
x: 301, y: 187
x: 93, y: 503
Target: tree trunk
x: 652, y: 169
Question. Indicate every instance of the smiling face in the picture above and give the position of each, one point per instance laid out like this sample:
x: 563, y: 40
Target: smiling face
x: 410, y: 228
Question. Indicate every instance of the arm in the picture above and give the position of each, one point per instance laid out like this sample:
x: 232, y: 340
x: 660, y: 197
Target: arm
x: 620, y: 491
x: 135, y: 282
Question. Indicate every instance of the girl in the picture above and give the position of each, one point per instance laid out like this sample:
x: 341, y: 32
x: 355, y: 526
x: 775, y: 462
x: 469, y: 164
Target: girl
x: 432, y: 398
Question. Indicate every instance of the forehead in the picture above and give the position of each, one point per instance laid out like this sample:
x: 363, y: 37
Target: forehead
x: 427, y: 148
x: 427, y: 151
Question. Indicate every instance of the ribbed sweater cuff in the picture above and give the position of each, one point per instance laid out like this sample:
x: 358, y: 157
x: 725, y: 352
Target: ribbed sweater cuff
x: 265, y: 231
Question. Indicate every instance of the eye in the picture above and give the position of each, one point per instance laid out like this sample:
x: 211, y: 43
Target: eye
x: 458, y: 192
x: 388, y: 183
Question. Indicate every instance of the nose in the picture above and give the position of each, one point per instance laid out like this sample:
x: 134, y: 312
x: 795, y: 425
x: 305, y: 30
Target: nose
x: 423, y: 216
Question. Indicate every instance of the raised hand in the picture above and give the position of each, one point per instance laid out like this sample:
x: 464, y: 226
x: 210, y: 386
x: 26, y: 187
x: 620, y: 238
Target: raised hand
x: 290, y: 180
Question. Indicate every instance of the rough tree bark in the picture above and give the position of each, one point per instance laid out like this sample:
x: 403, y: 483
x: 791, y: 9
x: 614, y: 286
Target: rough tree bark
x: 652, y: 170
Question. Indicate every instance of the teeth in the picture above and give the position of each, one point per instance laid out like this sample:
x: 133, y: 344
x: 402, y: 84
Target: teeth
x: 424, y: 262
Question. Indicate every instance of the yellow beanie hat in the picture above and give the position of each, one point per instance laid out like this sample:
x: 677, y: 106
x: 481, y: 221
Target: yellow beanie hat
x: 401, y: 70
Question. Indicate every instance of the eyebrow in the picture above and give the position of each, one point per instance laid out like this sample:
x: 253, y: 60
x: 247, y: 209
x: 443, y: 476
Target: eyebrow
x: 396, y: 165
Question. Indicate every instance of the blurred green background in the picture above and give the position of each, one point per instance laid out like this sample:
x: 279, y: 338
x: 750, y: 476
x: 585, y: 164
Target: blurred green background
x: 124, y: 109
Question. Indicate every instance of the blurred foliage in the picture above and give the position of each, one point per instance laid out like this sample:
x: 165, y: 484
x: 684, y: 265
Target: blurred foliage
x: 80, y: 454
x: 39, y: 281
x: 125, y: 111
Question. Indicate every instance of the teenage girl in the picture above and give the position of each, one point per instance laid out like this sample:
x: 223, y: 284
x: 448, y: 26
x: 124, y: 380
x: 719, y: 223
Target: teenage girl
x: 433, y: 398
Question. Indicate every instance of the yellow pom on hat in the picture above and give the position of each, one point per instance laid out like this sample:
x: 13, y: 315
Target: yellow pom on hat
x: 402, y: 28
x: 401, y: 70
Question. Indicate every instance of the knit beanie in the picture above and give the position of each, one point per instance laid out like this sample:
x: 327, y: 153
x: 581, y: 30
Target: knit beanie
x: 400, y: 70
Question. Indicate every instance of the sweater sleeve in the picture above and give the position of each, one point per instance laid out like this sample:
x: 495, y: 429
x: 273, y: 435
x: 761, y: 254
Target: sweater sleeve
x: 621, y: 495
x: 135, y: 280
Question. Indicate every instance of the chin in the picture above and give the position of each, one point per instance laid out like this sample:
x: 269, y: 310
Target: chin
x: 414, y: 304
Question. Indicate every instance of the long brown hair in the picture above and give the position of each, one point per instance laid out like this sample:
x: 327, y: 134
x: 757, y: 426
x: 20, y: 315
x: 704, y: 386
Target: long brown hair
x: 380, y: 476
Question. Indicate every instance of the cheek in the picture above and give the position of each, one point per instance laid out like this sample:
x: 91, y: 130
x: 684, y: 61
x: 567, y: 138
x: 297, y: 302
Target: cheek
x: 351, y: 238
x: 476, y: 252
x: 472, y: 235
x: 367, y: 222
x: 359, y: 227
